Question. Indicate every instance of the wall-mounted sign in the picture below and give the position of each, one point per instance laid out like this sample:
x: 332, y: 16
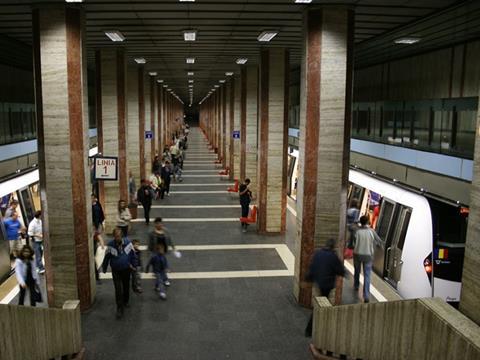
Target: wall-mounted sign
x: 236, y: 134
x: 148, y: 134
x: 106, y: 168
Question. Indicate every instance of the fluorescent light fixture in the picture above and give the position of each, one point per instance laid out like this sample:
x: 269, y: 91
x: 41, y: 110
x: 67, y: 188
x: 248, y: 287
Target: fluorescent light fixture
x: 229, y: 73
x: 159, y: 81
x: 186, y: 0
x: 190, y: 35
x: 241, y: 61
x: 152, y: 73
x: 407, y: 40
x: 114, y: 35
x: 190, y: 81
x: 267, y: 35
x: 303, y: 1
x: 169, y: 89
x: 73, y: 1
x: 190, y: 86
x: 140, y: 60
x: 190, y: 73
x: 221, y: 81
x: 190, y: 60
x: 165, y: 86
x: 217, y: 86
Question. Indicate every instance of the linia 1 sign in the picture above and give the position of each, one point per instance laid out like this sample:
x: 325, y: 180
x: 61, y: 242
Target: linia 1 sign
x: 106, y: 168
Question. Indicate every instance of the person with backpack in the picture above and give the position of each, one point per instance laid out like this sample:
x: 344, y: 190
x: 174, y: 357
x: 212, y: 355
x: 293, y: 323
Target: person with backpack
x: 160, y: 236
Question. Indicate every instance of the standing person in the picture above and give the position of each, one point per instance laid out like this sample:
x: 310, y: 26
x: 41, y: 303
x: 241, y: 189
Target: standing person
x: 11, y: 209
x: 132, y: 187
x: 137, y: 265
x: 14, y: 230
x: 324, y: 269
x: 245, y: 199
x: 26, y: 275
x: 123, y: 217
x: 365, y: 240
x: 156, y: 165
x: 144, y: 196
x: 35, y: 233
x: 97, y: 242
x: 156, y: 184
x: 159, y: 263
x: 120, y: 256
x: 98, y: 217
x: 166, y: 178
x: 353, y: 215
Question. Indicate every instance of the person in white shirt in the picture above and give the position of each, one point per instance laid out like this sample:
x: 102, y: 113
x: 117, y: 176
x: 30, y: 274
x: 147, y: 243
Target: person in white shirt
x: 26, y: 275
x: 35, y: 233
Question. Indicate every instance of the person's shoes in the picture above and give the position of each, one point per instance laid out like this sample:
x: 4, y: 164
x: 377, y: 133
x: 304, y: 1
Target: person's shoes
x: 244, y: 230
x: 366, y: 301
x: 168, y: 194
x: 147, y: 223
x: 166, y: 283
x: 355, y: 288
x: 157, y: 289
x: 163, y: 296
x: 41, y: 271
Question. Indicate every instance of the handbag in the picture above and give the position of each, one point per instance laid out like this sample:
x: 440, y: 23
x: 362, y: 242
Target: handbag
x: 347, y: 253
x: 37, y: 295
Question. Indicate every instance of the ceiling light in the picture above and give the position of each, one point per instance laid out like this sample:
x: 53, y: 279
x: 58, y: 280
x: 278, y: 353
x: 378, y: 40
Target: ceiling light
x: 407, y: 40
x: 190, y: 73
x: 152, y: 73
x: 140, y: 60
x: 267, y: 35
x: 159, y: 81
x: 190, y: 86
x: 228, y: 73
x: 190, y: 81
x: 186, y: 0
x: 169, y: 89
x: 303, y: 1
x: 216, y: 86
x: 190, y: 60
x: 241, y: 61
x: 221, y: 81
x: 190, y: 35
x: 114, y: 35
x: 73, y: 1
x: 165, y: 86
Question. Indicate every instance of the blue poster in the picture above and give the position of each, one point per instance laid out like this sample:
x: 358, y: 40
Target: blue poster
x: 236, y: 134
x: 148, y: 134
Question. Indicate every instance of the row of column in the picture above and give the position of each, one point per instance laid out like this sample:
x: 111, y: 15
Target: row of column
x: 255, y: 116
x: 128, y: 106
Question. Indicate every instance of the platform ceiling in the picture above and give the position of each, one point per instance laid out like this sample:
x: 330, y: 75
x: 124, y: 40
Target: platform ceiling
x: 227, y: 30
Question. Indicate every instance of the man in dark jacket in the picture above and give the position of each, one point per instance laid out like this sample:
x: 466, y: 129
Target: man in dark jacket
x: 324, y: 269
x: 144, y: 197
x: 97, y: 214
x: 121, y: 258
x: 166, y: 175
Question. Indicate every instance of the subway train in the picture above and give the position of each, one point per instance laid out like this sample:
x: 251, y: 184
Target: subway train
x: 423, y: 238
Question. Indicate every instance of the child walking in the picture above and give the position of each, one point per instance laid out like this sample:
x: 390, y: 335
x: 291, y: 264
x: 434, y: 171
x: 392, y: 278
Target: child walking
x: 160, y: 267
x: 137, y: 267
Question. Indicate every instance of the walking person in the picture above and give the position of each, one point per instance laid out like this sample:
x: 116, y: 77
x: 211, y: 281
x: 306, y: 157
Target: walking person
x: 353, y: 215
x: 156, y: 165
x: 120, y: 256
x: 26, y: 274
x: 245, y: 199
x: 159, y: 263
x: 35, y: 233
x: 324, y: 269
x: 166, y: 175
x: 15, y: 231
x: 137, y: 267
x: 365, y: 240
x: 132, y: 188
x: 123, y: 217
x: 144, y: 196
x: 98, y: 216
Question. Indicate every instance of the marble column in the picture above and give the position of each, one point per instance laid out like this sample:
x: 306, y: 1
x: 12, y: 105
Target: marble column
x: 470, y: 294
x: 133, y: 138
x: 229, y: 99
x: 325, y: 93
x: 223, y: 123
x: 160, y: 142
x: 273, y: 140
x: 114, y: 111
x: 141, y: 120
x: 248, y: 132
x: 148, y: 126
x: 60, y: 66
x: 236, y: 127
x: 153, y: 117
x: 98, y: 115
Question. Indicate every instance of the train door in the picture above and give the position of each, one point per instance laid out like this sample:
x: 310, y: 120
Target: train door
x: 393, y: 263
x: 26, y: 204
x: 5, y: 264
x: 383, y: 229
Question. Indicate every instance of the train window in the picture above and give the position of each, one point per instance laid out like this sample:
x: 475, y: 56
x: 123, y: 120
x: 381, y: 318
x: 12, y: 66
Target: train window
x: 406, y: 214
x: 356, y: 194
x: 385, y: 218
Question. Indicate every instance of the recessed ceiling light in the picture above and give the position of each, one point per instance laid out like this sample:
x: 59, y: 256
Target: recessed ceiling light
x: 303, y: 1
x: 152, y: 73
x: 190, y: 81
x: 169, y: 89
x: 187, y: 0
x: 190, y: 35
x: 229, y: 73
x: 160, y: 81
x: 73, y: 1
x: 165, y: 86
x: 216, y: 86
x: 221, y: 81
x: 190, y: 60
x: 190, y: 73
x: 241, y: 61
x: 140, y: 60
x: 267, y: 35
x: 114, y: 35
x: 407, y: 40
x: 190, y: 86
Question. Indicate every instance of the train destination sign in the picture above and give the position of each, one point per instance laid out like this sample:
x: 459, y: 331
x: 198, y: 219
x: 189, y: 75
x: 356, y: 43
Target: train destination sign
x: 106, y: 168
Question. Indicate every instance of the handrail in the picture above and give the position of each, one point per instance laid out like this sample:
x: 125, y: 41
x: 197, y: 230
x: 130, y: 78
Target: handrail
x: 406, y: 329
x: 40, y: 333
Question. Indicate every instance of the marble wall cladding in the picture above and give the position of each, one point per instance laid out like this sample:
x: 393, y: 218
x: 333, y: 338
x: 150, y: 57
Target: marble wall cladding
x: 321, y: 197
x: 133, y: 125
x: 236, y: 127
x: 62, y: 111
x: 470, y: 294
x: 159, y: 137
x: 111, y: 104
x: 223, y: 125
x: 272, y: 155
x: 141, y: 120
x: 148, y: 126
x: 227, y: 132
x: 251, y: 126
x: 153, y: 117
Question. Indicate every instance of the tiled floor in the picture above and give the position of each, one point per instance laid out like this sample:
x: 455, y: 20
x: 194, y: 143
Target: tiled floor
x: 206, y: 316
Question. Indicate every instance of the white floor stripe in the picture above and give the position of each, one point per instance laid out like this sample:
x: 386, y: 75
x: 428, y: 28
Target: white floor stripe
x: 190, y: 220
x: 210, y: 184
x: 292, y: 210
x: 192, y: 206
x: 193, y: 175
x: 203, y: 170
x: 10, y: 296
x: 224, y: 247
x: 200, y: 192
x: 187, y: 162
x: 215, y: 274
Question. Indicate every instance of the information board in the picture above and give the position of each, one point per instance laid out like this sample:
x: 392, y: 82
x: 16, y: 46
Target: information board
x: 106, y: 168
x: 148, y: 134
x: 236, y: 134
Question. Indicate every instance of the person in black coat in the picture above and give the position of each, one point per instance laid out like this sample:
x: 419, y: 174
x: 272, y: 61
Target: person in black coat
x: 144, y: 197
x: 324, y: 269
x: 98, y: 216
x: 166, y: 175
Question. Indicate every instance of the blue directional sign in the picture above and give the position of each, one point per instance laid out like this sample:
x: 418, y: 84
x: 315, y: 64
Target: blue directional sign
x: 148, y: 134
x: 236, y: 134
